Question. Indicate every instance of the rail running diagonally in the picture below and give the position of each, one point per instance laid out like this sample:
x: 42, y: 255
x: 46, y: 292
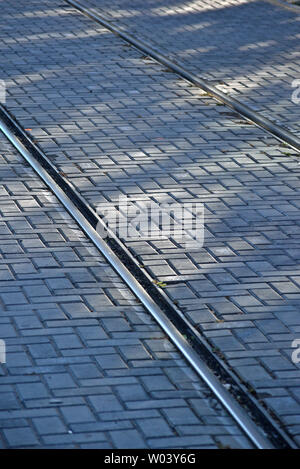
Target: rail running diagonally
x: 245, y: 111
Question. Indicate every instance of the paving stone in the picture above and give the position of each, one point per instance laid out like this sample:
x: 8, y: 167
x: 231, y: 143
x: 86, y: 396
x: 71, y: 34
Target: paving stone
x: 37, y: 290
x: 32, y: 390
x: 6, y: 331
x: 116, y: 324
x: 134, y: 352
x: 88, y: 370
x: 272, y: 326
x: 16, y: 299
x: 176, y: 415
x: 42, y: 351
x: 244, y: 177
x: 67, y: 341
x: 8, y: 401
x: 59, y: 380
x: 49, y: 425
x: 252, y: 372
x: 251, y: 335
x: 110, y: 361
x: 153, y: 383
x: 283, y: 405
x: 45, y: 262
x: 106, y: 403
x: 131, y: 392
x: 26, y: 322
x: 155, y: 427
x: 18, y: 359
x: 177, y: 442
x: 227, y: 343
x: 229, y: 442
x: 77, y: 414
x: 89, y: 332
x: 277, y: 363
x: 127, y: 439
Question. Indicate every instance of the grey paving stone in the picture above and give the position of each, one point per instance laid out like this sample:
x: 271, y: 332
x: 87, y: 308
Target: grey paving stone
x: 76, y: 310
x: 179, y: 414
x: 7, y: 331
x: 155, y: 427
x: 134, y: 352
x: 116, y: 324
x: 177, y: 442
x: 59, y: 283
x: 45, y: 262
x: 59, y: 380
x: 18, y: 359
x: 233, y: 442
x: 245, y: 300
x: 42, y: 351
x: 153, y: 383
x: 96, y: 301
x: 130, y: 414
x: 106, y: 403
x: 77, y: 414
x: 37, y: 290
x: 84, y: 371
x: 20, y: 437
x: 226, y: 164
x: 252, y: 372
x: 8, y: 401
x: 49, y: 425
x: 13, y: 299
x: 26, y: 322
x: 32, y: 390
x: 127, y: 439
x: 251, y: 335
x: 277, y: 363
x: 90, y: 332
x: 98, y: 445
x: 227, y: 343
x: 110, y: 361
x: 272, y: 326
x: 131, y: 392
x: 283, y: 405
x: 67, y: 341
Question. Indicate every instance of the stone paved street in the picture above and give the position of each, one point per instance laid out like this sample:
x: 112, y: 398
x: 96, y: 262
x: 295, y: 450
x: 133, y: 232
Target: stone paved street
x: 86, y: 366
x: 114, y: 122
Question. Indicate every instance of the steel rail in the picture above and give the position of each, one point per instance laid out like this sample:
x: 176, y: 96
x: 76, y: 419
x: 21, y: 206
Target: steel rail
x: 280, y: 133
x: 234, y: 409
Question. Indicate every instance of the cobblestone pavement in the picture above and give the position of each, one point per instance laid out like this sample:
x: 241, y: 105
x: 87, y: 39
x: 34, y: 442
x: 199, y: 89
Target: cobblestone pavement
x: 115, y: 122
x: 86, y: 366
x: 248, y: 48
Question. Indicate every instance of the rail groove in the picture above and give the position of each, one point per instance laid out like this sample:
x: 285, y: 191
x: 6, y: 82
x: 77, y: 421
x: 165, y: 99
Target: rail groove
x: 259, y: 426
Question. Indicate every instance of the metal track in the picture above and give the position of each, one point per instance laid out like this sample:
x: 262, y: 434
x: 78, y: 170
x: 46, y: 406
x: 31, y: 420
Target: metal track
x: 280, y: 133
x: 78, y: 209
x: 172, y: 321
